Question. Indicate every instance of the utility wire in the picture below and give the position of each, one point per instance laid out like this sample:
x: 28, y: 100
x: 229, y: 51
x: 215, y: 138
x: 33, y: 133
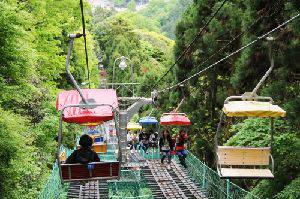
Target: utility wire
x: 85, y: 45
x: 231, y: 54
x: 191, y: 43
x: 236, y: 37
x: 240, y: 34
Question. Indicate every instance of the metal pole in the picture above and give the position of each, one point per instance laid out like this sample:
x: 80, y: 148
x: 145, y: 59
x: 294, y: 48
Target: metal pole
x: 71, y: 42
x: 218, y: 131
x: 272, y: 132
x: 270, y: 39
x: 123, y: 133
x: 59, y: 139
x: 113, y: 78
x: 227, y: 189
x: 132, y: 77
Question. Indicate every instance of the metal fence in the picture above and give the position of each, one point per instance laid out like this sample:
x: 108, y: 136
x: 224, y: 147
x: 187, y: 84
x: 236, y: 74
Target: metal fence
x: 212, y: 184
x: 132, y: 184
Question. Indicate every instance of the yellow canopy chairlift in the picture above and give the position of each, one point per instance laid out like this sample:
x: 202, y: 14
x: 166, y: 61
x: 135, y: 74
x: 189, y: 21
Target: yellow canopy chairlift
x: 132, y: 126
x: 247, y: 162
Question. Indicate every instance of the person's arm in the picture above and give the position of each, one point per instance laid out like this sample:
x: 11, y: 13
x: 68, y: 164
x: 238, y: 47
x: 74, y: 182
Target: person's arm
x: 96, y: 157
x: 171, y: 144
x: 72, y: 158
x: 160, y: 143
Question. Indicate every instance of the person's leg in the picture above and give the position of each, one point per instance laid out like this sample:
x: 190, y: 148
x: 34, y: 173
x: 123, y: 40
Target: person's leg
x: 163, y: 158
x: 180, y: 157
x: 169, y: 157
x: 183, y: 160
x: 131, y: 146
x: 146, y: 147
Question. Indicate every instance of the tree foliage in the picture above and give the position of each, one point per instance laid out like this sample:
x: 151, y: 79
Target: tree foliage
x: 240, y: 73
x: 33, y: 39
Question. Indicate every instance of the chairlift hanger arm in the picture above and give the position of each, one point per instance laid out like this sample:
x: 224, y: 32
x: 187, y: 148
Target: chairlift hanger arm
x: 179, y: 105
x: 263, y: 79
x: 71, y: 42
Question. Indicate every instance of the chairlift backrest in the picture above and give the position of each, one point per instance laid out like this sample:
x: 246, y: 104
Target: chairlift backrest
x: 243, y: 155
x: 99, y: 170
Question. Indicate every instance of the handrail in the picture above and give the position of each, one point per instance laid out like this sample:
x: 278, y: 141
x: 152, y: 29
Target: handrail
x: 247, y: 97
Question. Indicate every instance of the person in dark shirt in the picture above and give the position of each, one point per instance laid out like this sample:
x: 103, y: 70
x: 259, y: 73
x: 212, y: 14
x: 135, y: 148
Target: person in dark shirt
x: 144, y: 141
x: 166, y: 146
x: 181, y: 151
x: 84, y: 154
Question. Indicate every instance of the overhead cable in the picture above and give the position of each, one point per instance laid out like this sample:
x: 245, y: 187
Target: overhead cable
x: 231, y: 54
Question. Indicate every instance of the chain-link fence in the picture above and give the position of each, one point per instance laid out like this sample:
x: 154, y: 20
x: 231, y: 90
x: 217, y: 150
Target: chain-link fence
x: 212, y: 184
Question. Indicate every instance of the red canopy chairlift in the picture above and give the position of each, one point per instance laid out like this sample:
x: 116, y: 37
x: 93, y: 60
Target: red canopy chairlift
x: 174, y: 119
x: 107, y: 98
x: 101, y: 107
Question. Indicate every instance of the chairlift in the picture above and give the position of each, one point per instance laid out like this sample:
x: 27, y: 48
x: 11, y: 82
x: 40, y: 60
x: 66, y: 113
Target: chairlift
x: 74, y: 111
x: 247, y: 162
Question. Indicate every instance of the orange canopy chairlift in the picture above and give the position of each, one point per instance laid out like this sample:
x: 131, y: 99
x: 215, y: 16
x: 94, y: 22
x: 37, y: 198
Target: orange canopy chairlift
x: 83, y: 106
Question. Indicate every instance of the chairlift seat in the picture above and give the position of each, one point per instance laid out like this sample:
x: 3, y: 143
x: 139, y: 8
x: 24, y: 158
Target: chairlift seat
x: 245, y: 173
x: 244, y: 162
x: 80, y: 172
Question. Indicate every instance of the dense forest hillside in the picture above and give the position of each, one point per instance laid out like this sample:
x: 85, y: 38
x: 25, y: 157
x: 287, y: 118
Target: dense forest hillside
x: 33, y: 39
x: 33, y: 48
x: 205, y: 95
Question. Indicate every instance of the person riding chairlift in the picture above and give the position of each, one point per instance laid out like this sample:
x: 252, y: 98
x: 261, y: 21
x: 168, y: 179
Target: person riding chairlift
x: 144, y: 141
x: 134, y: 142
x: 181, y: 143
x: 165, y: 147
x: 84, y: 154
x: 153, y: 139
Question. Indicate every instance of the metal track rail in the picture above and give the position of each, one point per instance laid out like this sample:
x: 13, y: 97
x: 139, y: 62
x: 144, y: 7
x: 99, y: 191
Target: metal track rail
x: 89, y: 190
x: 180, y: 176
x: 152, y: 184
x: 174, y: 183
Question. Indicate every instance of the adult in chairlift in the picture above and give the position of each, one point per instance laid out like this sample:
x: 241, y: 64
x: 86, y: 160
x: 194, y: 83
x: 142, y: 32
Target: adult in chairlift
x: 85, y: 154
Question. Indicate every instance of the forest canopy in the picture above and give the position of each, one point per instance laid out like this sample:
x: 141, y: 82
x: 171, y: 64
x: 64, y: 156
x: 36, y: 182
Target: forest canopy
x: 33, y: 47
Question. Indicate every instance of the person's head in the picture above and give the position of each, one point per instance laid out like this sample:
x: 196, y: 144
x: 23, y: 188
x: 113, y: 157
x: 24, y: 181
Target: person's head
x: 166, y: 133
x: 182, y: 132
x: 85, y: 141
